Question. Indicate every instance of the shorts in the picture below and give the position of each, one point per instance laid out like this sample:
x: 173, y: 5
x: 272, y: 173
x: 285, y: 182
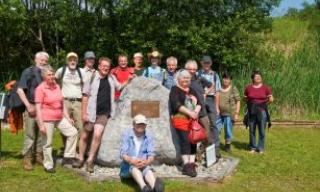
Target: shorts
x: 101, y: 120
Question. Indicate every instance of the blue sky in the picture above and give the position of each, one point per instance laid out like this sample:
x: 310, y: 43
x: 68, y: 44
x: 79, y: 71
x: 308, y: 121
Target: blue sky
x: 286, y: 4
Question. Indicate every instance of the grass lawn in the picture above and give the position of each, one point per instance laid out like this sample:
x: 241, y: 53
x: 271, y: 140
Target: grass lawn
x: 291, y: 163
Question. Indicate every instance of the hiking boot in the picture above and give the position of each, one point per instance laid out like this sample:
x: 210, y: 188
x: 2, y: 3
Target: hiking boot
x: 39, y: 158
x: 193, y: 169
x: 77, y: 163
x: 158, y: 185
x: 189, y: 170
x: 228, y: 147
x: 146, y: 189
x: 90, y: 167
x: 27, y: 163
x: 67, y: 161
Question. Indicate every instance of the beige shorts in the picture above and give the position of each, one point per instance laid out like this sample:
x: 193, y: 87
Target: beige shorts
x: 101, y: 120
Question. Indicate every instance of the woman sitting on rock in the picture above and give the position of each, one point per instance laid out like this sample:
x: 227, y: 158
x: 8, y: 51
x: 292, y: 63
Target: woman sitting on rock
x: 184, y: 104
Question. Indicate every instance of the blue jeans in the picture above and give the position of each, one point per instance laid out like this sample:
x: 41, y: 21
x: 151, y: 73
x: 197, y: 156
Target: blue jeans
x: 226, y: 122
x: 259, y: 120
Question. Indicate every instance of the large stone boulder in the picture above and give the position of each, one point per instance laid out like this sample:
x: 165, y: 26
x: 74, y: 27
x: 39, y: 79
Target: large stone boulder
x: 140, y: 89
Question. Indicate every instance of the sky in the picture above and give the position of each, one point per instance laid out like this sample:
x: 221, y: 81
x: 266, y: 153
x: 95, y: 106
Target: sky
x: 286, y: 4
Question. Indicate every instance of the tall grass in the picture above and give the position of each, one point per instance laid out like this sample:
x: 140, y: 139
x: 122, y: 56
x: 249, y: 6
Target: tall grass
x: 294, y: 78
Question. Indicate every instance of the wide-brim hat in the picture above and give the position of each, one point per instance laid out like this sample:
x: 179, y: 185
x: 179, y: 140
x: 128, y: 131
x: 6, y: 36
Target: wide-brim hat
x: 155, y: 54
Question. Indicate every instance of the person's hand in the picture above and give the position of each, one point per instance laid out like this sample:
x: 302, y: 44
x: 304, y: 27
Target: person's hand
x: 85, y: 118
x: 70, y: 120
x: 193, y: 115
x: 31, y: 110
x: 236, y: 117
x: 218, y: 111
x: 137, y: 163
x: 43, y: 130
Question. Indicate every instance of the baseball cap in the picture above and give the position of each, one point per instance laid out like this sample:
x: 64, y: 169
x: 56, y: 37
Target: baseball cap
x: 89, y: 55
x: 139, y: 54
x: 138, y: 119
x: 72, y: 54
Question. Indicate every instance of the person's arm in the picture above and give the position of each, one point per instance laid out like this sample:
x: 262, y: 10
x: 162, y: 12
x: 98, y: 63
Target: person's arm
x: 217, y: 102
x: 30, y: 107
x: 270, y: 99
x: 40, y: 123
x: 39, y: 96
x: 236, y: 113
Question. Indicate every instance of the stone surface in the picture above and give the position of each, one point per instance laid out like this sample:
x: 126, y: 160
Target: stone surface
x: 225, y: 167
x: 141, y: 89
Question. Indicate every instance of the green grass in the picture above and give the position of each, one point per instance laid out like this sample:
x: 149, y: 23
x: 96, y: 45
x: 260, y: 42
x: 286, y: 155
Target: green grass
x: 291, y: 163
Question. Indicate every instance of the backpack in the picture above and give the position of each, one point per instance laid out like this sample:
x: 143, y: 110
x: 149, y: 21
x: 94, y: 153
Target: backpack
x: 200, y: 73
x: 163, y: 71
x: 64, y: 68
x: 13, y: 100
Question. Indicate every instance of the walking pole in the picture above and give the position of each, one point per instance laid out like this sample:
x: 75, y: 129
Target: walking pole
x: 1, y: 118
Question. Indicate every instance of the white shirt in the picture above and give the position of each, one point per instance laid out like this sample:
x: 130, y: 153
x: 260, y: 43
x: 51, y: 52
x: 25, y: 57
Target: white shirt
x: 71, y: 83
x: 137, y: 143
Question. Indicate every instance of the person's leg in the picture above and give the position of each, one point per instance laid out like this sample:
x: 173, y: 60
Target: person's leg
x: 83, y: 143
x: 211, y: 110
x: 138, y: 177
x: 71, y: 134
x: 29, y: 141
x: 97, y: 134
x: 149, y: 177
x: 47, y: 145
x: 252, y: 133
x: 228, y: 132
x: 262, y: 123
x: 77, y: 115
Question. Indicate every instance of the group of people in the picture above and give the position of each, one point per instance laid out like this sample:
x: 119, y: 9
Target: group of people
x: 79, y: 102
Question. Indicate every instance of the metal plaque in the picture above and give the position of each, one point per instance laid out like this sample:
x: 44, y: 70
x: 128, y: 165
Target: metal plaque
x: 150, y: 109
x: 211, y: 155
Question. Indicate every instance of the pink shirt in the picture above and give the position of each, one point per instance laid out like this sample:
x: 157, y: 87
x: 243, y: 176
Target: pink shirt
x: 50, y: 98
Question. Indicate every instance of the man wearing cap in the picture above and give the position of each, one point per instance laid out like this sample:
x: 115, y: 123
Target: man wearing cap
x: 89, y: 61
x: 138, y: 64
x: 29, y: 81
x: 211, y: 97
x: 154, y: 70
x: 71, y: 81
x: 122, y: 72
x: 137, y: 154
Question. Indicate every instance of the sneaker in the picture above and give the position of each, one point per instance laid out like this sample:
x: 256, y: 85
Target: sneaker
x: 189, y: 170
x: 260, y: 151
x: 77, y: 163
x: 67, y: 161
x: 90, y: 167
x: 158, y: 185
x: 252, y: 151
x: 146, y: 189
x: 185, y: 169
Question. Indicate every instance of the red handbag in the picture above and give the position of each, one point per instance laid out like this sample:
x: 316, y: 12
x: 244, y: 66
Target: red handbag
x: 196, y: 132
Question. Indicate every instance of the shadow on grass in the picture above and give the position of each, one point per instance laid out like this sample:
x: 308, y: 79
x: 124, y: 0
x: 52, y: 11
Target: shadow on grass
x: 240, y: 145
x: 11, y: 155
x: 131, y: 183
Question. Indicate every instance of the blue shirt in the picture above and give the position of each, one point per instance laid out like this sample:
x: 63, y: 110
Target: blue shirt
x: 213, y: 78
x: 154, y: 72
x: 128, y: 148
x: 168, y: 81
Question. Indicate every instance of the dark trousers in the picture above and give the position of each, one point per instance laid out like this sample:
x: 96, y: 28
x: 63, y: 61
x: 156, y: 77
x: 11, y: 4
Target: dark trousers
x: 258, y: 120
x: 187, y: 148
x: 212, y: 114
